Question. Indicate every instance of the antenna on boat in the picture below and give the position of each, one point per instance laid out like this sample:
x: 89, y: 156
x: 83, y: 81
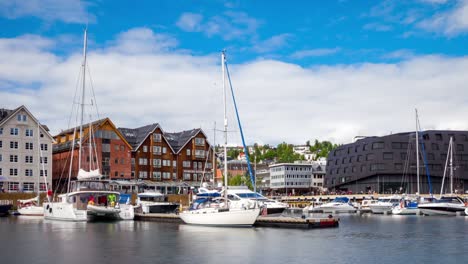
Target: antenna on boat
x: 83, y: 94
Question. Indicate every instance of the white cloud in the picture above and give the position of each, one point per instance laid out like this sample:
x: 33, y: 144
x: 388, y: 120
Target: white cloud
x: 450, y: 23
x: 228, y: 25
x: 190, y: 22
x: 272, y: 43
x: 438, y: 2
x: 377, y: 27
x: 277, y: 100
x: 143, y: 40
x: 314, y: 53
x: 399, y: 54
x: 71, y: 11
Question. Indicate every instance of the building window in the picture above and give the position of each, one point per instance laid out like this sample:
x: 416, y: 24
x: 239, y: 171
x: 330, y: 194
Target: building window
x: 438, y: 137
x: 1, y: 158
x: 28, y: 159
x: 28, y: 132
x: 398, y: 166
x: 174, y: 176
x: 388, y: 156
x: 1, y: 130
x: 29, y: 146
x: 43, y: 160
x: 21, y: 118
x: 116, y: 173
x: 157, y: 163
x: 186, y: 176
x: 199, y: 153
x: 157, y: 175
x: 188, y: 152
x: 166, y: 163
x: 143, y: 174
x: 370, y: 156
x: 145, y: 148
x: 142, y: 161
x: 157, y: 137
x: 460, y: 147
x: 28, y: 172
x: 43, y: 173
x: 14, y: 144
x: 378, y: 145
x: 157, y: 150
x: 403, y: 156
x: 199, y: 141
x: 13, y: 172
x: 116, y: 161
x: 13, y: 186
x: 44, y: 147
x: 122, y: 161
x: 377, y: 167
x: 1, y: 144
x: 343, y: 161
x: 13, y: 158
x: 164, y: 150
x: 353, y: 169
x: 186, y: 164
x: 174, y: 163
x: 14, y: 131
x: 166, y: 175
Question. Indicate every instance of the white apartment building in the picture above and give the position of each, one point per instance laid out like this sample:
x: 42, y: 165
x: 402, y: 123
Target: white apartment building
x: 25, y: 152
x: 297, y: 177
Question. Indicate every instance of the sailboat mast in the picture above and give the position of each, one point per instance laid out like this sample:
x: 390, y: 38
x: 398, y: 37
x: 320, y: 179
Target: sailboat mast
x: 41, y: 161
x: 225, y: 128
x: 451, y: 165
x: 417, y: 152
x: 83, y: 95
x: 214, y: 154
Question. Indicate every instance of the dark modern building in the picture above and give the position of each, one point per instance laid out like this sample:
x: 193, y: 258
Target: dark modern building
x: 388, y: 164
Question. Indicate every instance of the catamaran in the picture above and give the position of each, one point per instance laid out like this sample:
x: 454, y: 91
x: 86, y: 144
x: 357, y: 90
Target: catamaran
x: 218, y: 211
x: 87, y: 198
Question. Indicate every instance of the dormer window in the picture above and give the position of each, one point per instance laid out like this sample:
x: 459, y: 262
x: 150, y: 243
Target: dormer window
x: 157, y: 137
x: 21, y: 118
x: 199, y: 141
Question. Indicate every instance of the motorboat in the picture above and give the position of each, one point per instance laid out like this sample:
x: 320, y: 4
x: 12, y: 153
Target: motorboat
x: 364, y: 206
x: 338, y: 205
x: 313, y: 207
x: 73, y: 206
x: 384, y: 204
x: 5, y: 207
x: 30, y: 207
x: 406, y: 207
x: 446, y: 205
x: 215, y: 212
x: 241, y: 196
x: 155, y: 203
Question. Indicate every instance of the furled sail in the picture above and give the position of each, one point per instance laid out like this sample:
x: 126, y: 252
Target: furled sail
x: 82, y: 174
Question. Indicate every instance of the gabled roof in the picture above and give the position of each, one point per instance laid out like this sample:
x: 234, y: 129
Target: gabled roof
x: 6, y: 114
x: 93, y: 123
x: 136, y: 136
x: 178, y: 140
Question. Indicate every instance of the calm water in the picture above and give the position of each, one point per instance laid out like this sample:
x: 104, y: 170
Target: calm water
x: 359, y: 239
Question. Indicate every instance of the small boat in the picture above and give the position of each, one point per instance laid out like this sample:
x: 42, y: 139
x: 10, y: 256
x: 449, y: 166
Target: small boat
x: 313, y: 207
x: 30, y: 207
x: 338, y: 205
x: 406, y: 207
x: 155, y: 203
x: 385, y: 204
x: 215, y: 212
x: 446, y: 205
x: 241, y: 196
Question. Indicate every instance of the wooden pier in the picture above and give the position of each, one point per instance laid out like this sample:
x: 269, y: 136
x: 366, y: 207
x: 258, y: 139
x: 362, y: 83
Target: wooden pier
x: 262, y: 221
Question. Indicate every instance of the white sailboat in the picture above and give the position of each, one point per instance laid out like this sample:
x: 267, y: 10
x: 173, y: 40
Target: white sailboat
x: 445, y: 205
x: 32, y: 207
x: 87, y: 198
x: 217, y: 211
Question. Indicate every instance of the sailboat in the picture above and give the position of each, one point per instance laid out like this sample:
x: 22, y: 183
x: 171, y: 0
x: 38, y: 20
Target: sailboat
x: 87, y: 198
x: 409, y: 205
x: 445, y: 205
x: 217, y: 211
x: 32, y: 207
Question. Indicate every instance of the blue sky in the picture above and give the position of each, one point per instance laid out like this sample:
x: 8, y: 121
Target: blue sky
x: 320, y: 69
x: 306, y: 32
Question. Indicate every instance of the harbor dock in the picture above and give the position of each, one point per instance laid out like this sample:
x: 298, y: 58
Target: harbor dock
x: 262, y: 221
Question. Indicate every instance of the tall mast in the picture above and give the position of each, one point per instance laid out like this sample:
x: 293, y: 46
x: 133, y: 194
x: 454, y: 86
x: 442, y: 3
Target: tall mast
x: 451, y: 165
x: 417, y: 152
x: 83, y: 95
x: 214, y: 154
x: 41, y: 161
x: 225, y: 130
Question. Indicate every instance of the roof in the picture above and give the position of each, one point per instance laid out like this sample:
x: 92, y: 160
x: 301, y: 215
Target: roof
x: 136, y: 136
x: 5, y: 113
x: 93, y: 123
x: 179, y: 139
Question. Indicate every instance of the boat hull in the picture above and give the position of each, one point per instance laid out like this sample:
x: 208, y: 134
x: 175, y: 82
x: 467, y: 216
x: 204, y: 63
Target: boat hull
x: 380, y: 209
x: 337, y: 208
x: 64, y: 212
x: 102, y: 213
x: 31, y: 210
x: 160, y: 208
x: 441, y: 209
x: 405, y: 211
x: 127, y: 212
x: 213, y: 217
x: 4, y: 209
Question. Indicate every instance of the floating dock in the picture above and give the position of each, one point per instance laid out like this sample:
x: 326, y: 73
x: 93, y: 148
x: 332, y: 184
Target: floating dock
x: 262, y: 221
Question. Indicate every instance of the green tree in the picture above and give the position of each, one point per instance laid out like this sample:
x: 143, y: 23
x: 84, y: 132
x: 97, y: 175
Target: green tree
x: 322, y: 149
x: 240, y: 180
